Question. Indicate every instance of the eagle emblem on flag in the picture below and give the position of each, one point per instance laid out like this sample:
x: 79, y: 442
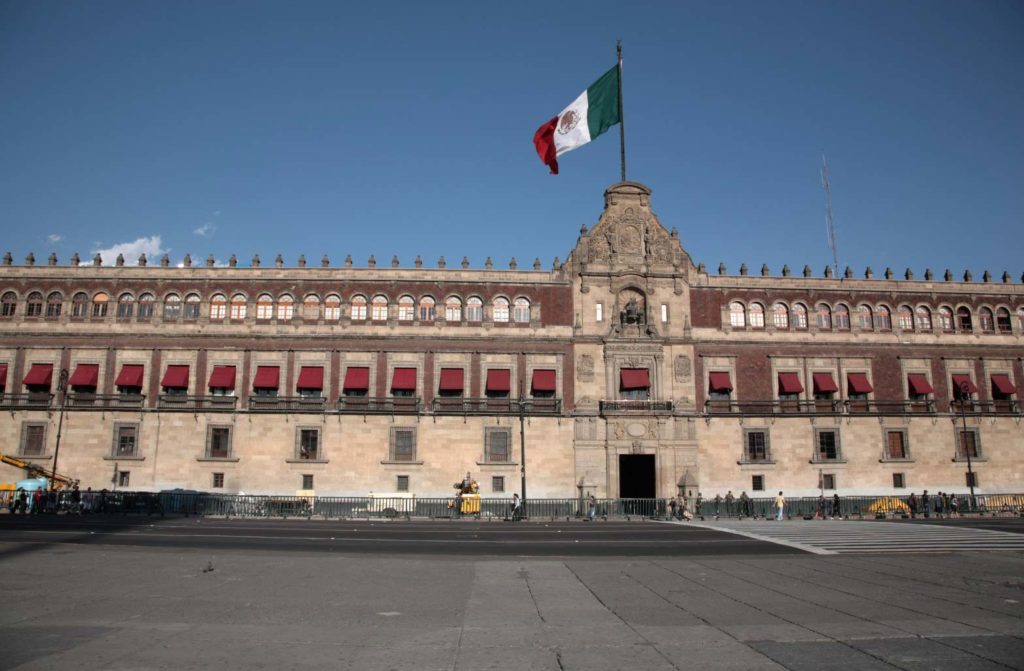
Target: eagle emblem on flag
x: 568, y: 121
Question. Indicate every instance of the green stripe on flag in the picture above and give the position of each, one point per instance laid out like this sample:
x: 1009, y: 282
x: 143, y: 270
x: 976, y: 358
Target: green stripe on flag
x: 603, y: 103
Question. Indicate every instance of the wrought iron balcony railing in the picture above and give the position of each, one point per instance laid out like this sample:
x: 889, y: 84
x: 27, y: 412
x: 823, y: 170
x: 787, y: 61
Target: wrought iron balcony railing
x: 496, y: 406
x: 385, y: 405
x: 638, y: 406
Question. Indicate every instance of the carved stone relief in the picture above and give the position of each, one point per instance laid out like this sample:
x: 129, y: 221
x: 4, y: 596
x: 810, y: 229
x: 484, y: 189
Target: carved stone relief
x: 585, y: 368
x: 683, y: 368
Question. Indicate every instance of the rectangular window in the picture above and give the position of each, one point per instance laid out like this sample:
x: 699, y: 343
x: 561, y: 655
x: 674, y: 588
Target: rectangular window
x: 971, y: 479
x: 402, y: 483
x: 757, y: 483
x: 125, y: 440
x: 827, y: 446
x: 403, y: 444
x: 898, y: 481
x: 756, y: 448
x: 664, y: 313
x: 599, y: 312
x: 309, y: 444
x: 307, y: 481
x: 33, y: 440
x: 828, y: 481
x: 218, y: 480
x: 895, y: 445
x: 497, y: 484
x: 124, y: 478
x: 968, y: 444
x: 498, y: 445
x: 218, y: 442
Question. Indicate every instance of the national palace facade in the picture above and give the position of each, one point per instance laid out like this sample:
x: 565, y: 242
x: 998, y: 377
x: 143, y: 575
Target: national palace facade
x: 625, y: 370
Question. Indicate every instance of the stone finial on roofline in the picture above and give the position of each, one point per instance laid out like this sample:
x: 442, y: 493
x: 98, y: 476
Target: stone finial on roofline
x: 968, y: 277
x: 372, y: 262
x: 97, y: 260
x: 807, y: 271
x: 868, y: 273
x: 908, y: 274
x: 744, y: 270
x: 536, y: 263
x: 418, y: 262
x: 928, y: 275
x: 302, y: 260
x: 721, y: 268
x: 30, y: 260
x: 233, y: 261
x: 394, y: 261
x: 142, y: 260
x: 986, y: 276
x: 465, y: 262
x: 828, y: 272
x: 210, y: 261
x: 848, y: 273
x: 278, y: 261
x: 187, y: 261
x: 786, y: 272
x: 556, y: 264
x: 348, y: 260
x: 8, y: 259
x: 325, y: 262
x: 948, y: 275
x: 255, y: 263
x: 165, y: 261
x: 441, y: 263
x: 512, y: 265
x: 764, y: 270
x: 119, y: 261
x: 51, y: 260
x: 888, y: 273
x: 1006, y: 277
x: 75, y: 260
x: 488, y: 264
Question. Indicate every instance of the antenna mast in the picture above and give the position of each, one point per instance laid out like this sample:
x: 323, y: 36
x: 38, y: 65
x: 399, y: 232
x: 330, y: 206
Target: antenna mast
x: 831, y: 227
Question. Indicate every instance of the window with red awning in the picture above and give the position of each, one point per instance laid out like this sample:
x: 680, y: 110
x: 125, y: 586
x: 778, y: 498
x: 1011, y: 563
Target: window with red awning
x: 918, y: 384
x: 789, y: 383
x: 222, y: 377
x: 404, y: 380
x: 543, y: 380
x: 357, y: 379
x: 3, y: 376
x: 962, y: 383
x: 499, y: 380
x: 267, y: 377
x: 718, y: 381
x: 130, y: 375
x: 176, y: 377
x: 310, y: 377
x: 85, y: 375
x: 451, y: 380
x: 857, y: 383
x: 1002, y: 384
x: 823, y: 383
x: 634, y: 378
x: 39, y: 375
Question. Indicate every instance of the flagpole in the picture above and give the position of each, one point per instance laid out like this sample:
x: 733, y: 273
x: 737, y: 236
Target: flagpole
x: 622, y: 118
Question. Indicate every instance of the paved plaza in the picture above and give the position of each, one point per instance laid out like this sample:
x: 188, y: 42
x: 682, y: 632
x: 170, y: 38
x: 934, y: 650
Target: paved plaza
x: 195, y: 594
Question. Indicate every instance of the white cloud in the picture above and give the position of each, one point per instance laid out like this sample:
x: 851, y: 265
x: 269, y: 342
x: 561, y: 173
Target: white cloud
x: 205, y: 231
x: 152, y: 247
x: 53, y: 237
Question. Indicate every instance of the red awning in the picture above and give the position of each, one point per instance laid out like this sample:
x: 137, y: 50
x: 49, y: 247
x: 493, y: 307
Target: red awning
x: 404, y: 379
x: 789, y: 383
x: 960, y: 381
x: 85, y: 375
x: 543, y: 380
x: 918, y: 384
x: 222, y: 377
x: 3, y: 376
x: 823, y: 383
x: 131, y: 375
x: 719, y: 381
x: 357, y: 378
x: 40, y: 375
x: 857, y: 383
x: 635, y: 378
x: 451, y: 379
x: 176, y: 377
x: 499, y: 380
x: 311, y: 377
x: 267, y: 377
x: 1000, y: 382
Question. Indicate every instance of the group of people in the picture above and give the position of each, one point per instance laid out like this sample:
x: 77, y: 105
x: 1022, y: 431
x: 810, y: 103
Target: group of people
x: 829, y: 508
x: 51, y: 501
x: 942, y: 504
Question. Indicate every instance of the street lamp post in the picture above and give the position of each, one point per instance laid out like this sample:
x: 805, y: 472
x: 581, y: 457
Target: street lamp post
x: 965, y: 393
x: 522, y: 446
x: 62, y: 389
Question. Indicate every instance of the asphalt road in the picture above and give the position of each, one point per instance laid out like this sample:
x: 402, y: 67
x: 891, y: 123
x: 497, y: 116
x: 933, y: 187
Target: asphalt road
x: 458, y: 538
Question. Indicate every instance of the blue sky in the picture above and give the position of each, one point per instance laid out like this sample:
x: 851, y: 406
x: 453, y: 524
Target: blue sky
x: 405, y: 128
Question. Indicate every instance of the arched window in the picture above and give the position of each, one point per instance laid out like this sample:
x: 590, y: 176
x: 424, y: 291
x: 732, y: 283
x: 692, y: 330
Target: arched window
x: 864, y: 318
x: 883, y: 318
x: 824, y: 313
x: 146, y: 306
x: 946, y: 319
x: 332, y: 308
x: 379, y: 308
x: 905, y: 318
x: 285, y: 308
x: 499, y: 309
x: 99, y: 305
x: 55, y: 303
x: 924, y: 318
x: 737, y: 314
x: 842, y: 317
x: 311, y: 307
x: 192, y: 302
x: 406, y: 309
x: 34, y: 305
x: 264, y: 306
x: 172, y: 307
x: 799, y: 315
x: 218, y: 306
x: 521, y: 311
x: 358, y: 311
x: 239, y: 307
x: 9, y: 304
x: 963, y: 320
x: 780, y: 316
x: 1003, y: 323
x: 757, y: 315
x: 988, y: 324
x: 427, y: 310
x: 474, y: 309
x: 125, y: 306
x: 453, y: 309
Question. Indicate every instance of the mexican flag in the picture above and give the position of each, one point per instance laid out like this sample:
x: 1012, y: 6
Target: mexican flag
x: 593, y: 112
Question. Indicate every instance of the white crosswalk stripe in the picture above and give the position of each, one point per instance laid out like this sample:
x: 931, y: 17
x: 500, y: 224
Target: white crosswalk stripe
x: 849, y: 536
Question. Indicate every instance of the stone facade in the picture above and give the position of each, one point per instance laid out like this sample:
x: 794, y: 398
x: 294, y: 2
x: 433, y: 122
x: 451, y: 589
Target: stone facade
x: 625, y: 371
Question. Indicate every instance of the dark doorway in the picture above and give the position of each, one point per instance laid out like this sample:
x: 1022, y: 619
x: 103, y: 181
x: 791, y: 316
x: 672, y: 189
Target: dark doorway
x: 636, y: 476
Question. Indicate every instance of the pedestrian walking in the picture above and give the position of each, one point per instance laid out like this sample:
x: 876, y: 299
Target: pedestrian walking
x: 938, y: 505
x: 926, y: 504
x: 517, y: 508
x: 780, y: 506
x: 912, y: 504
x: 954, y: 506
x: 836, y: 506
x: 820, y: 514
x: 681, y: 505
x: 700, y: 504
x: 672, y: 508
x: 729, y: 501
x: 718, y: 504
x: 745, y: 504
x: 591, y: 507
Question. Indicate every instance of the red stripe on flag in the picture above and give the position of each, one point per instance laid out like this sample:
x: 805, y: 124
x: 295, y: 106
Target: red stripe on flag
x: 544, y: 141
